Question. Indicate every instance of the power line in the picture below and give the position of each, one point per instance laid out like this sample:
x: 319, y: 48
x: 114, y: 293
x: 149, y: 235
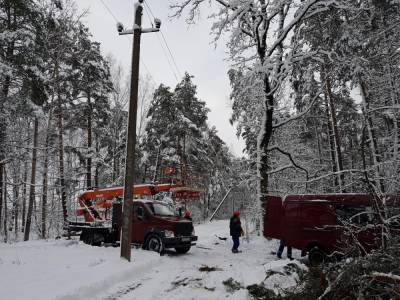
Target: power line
x: 165, y: 41
x: 147, y: 70
x: 173, y: 59
x: 109, y: 10
x: 164, y: 51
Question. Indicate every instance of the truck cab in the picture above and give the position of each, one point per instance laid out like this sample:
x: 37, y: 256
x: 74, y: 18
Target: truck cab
x: 156, y: 227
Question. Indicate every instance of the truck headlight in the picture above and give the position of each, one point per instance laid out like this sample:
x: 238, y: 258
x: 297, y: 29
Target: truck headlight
x: 169, y: 234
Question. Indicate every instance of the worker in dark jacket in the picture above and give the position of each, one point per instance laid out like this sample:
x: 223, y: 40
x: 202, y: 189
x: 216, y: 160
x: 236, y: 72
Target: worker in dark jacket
x: 236, y: 230
x: 280, y: 250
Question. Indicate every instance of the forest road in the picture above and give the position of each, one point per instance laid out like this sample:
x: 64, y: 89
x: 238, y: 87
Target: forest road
x: 200, y: 273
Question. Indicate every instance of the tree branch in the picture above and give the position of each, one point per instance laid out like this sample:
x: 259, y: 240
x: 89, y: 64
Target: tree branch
x: 290, y: 158
x: 300, y: 114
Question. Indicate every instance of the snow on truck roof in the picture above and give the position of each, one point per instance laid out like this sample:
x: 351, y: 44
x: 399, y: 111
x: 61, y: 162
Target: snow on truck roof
x: 356, y: 198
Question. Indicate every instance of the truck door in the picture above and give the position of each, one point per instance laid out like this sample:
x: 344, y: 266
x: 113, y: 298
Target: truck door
x: 291, y: 224
x: 139, y: 222
x: 272, y: 217
x: 318, y: 224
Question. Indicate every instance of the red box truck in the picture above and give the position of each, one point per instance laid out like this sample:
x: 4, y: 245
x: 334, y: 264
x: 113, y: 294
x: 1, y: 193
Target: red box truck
x: 315, y: 224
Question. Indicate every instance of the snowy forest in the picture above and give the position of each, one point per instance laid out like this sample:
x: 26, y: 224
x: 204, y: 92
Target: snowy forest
x: 63, y: 120
x: 315, y: 94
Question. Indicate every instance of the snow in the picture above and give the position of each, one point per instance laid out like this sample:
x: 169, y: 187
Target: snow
x: 69, y: 269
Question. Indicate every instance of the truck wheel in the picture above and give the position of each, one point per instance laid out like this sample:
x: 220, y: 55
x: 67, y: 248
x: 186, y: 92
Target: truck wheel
x: 316, y: 257
x: 154, y: 243
x: 92, y: 238
x: 84, y: 237
x: 97, y: 239
x: 182, y: 250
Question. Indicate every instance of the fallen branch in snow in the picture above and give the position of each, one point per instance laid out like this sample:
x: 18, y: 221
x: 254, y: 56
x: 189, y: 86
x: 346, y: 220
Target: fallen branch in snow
x: 384, y: 277
x: 202, y: 247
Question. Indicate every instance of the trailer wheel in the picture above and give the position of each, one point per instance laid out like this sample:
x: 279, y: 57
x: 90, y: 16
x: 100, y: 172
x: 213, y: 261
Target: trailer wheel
x: 316, y: 257
x: 154, y: 243
x: 182, y: 250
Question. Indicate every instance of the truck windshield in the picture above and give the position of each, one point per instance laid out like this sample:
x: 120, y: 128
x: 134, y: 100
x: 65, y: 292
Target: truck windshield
x: 160, y: 209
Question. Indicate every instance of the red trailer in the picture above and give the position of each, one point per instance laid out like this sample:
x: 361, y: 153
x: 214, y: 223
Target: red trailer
x: 315, y: 223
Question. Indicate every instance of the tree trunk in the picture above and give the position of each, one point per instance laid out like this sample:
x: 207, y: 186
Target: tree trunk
x: 3, y: 97
x: 1, y: 191
x: 3, y: 137
x: 89, y: 145
x: 5, y: 225
x: 157, y: 160
x: 25, y: 178
x: 33, y: 181
x: 265, y: 138
x: 266, y: 131
x: 114, y: 160
x: 45, y: 176
x: 184, y: 162
x: 339, y: 160
x: 317, y: 136
x: 371, y: 132
x: 63, y: 189
x: 331, y: 142
x: 16, y: 203
x: 96, y: 172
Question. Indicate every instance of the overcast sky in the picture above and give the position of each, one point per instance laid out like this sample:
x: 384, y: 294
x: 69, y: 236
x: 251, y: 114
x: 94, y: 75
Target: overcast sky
x: 191, y: 48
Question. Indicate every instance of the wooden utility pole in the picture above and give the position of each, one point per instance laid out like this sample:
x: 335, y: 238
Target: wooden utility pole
x: 131, y: 143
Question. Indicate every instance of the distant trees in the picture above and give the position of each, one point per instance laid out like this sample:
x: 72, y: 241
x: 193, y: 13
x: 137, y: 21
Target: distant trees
x: 297, y: 67
x: 55, y: 85
x: 177, y: 136
x: 63, y: 114
x: 178, y: 143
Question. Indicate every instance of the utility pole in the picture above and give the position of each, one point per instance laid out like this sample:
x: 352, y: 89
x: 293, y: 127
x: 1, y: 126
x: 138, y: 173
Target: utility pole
x: 126, y: 234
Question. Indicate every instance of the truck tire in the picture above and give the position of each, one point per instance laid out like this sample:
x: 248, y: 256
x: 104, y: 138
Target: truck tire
x: 182, y: 250
x: 92, y: 238
x: 84, y: 236
x: 316, y: 257
x: 154, y: 243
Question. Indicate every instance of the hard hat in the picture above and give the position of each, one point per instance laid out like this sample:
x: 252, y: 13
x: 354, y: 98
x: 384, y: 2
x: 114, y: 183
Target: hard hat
x: 188, y: 213
x: 236, y: 212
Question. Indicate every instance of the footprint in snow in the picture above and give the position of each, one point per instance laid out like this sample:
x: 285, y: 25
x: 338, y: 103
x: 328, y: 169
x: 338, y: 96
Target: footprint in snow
x: 97, y: 262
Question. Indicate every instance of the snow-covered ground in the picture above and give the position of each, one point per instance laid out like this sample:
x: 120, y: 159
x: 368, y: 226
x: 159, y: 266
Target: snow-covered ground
x: 65, y: 269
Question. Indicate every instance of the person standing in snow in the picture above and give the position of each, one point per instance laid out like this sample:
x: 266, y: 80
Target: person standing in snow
x: 188, y: 215
x: 235, y: 227
x: 280, y: 251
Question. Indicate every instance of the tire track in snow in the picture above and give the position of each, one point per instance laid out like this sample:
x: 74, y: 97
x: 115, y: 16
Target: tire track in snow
x: 97, y: 289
